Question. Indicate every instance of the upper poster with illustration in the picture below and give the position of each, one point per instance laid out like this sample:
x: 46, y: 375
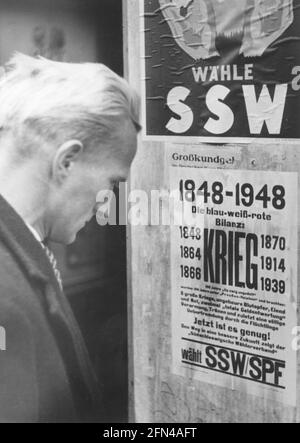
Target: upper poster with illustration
x: 221, y: 68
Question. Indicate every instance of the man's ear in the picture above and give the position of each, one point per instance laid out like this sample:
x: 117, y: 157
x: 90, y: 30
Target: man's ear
x: 65, y: 158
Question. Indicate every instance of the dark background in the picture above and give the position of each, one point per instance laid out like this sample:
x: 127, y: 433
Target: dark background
x: 167, y: 66
x: 94, y: 267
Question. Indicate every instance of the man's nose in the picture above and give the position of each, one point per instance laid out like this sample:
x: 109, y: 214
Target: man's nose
x: 99, y: 205
x: 96, y: 208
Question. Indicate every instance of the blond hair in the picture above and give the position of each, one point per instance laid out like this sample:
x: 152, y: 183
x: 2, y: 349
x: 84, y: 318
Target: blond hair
x: 60, y: 101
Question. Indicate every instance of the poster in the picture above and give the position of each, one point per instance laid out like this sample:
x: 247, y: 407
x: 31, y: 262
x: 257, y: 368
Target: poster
x: 224, y: 70
x: 234, y: 275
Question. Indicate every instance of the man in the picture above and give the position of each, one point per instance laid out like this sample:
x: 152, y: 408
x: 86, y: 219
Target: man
x: 66, y: 132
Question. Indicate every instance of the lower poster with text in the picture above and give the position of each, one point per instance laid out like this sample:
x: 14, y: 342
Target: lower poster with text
x: 234, y: 277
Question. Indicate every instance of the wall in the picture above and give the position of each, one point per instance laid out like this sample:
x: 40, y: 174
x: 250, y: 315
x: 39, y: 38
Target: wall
x: 20, y: 22
x: 156, y: 394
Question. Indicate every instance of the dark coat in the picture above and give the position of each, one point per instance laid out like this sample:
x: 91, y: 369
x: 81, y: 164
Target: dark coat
x: 45, y: 372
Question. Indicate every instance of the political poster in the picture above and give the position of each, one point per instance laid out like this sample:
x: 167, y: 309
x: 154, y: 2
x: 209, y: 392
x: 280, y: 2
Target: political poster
x: 221, y: 70
x: 234, y: 276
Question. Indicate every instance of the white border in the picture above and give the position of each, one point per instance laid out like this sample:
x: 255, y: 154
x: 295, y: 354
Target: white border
x: 189, y: 139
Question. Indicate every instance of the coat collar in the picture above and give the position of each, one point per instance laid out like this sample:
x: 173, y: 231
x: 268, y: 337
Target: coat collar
x: 18, y: 238
x: 21, y: 242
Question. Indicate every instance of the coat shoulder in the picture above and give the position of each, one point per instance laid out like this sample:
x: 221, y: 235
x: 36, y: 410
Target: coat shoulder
x: 16, y: 288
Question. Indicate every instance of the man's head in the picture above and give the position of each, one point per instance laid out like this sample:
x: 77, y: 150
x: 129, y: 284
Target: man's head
x: 72, y: 129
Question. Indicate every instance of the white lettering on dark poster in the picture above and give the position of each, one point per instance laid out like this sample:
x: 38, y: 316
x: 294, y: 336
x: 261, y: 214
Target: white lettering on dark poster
x: 216, y: 68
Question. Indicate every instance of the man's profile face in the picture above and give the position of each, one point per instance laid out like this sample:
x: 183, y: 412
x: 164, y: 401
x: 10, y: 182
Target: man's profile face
x: 75, y: 203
